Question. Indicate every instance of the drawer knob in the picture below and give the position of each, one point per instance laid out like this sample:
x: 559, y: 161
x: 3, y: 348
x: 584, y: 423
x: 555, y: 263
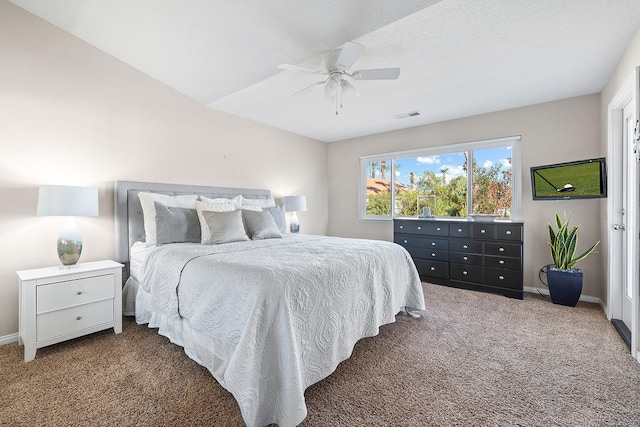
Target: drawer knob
x: 419, y: 228
x: 438, y: 228
x: 465, y: 272
x: 433, y: 269
x: 79, y: 292
x: 433, y: 254
x: 465, y: 247
x: 501, y: 261
x: 402, y: 226
x: 501, y: 249
x: 508, y: 231
x: 501, y: 277
x: 483, y: 231
x: 79, y: 317
x: 459, y: 230
x: 465, y: 258
x: 405, y: 241
x: 433, y: 243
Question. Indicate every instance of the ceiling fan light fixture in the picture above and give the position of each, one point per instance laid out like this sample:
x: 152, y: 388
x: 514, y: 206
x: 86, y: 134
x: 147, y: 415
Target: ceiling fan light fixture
x: 331, y: 88
x: 348, y: 90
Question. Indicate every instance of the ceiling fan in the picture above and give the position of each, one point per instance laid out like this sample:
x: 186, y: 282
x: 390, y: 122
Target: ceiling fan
x: 334, y: 69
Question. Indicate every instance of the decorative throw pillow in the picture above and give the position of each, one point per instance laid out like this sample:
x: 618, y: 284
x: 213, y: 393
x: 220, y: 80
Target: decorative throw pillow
x: 149, y: 210
x: 176, y: 225
x: 278, y: 216
x: 260, y: 225
x: 250, y: 204
x: 225, y: 227
x: 214, y: 205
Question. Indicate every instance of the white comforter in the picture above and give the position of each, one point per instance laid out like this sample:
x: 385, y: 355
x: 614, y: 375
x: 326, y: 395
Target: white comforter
x: 285, y: 312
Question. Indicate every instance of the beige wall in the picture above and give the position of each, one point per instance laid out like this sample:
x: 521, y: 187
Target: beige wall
x: 70, y: 114
x: 554, y: 132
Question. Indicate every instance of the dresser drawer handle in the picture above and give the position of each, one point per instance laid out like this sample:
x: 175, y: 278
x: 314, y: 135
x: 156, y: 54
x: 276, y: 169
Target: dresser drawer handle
x: 465, y: 272
x: 406, y: 241
x: 459, y: 230
x: 79, y: 317
x: 433, y: 243
x: 483, y: 231
x: 501, y: 249
x: 508, y: 231
x: 402, y: 226
x: 465, y: 247
x: 419, y: 228
x: 433, y: 269
x: 433, y: 254
x: 438, y: 228
x: 501, y: 277
x: 501, y: 261
x: 465, y: 258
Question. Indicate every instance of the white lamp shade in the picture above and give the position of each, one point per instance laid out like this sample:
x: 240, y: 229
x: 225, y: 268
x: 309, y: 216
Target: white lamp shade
x: 295, y: 203
x: 63, y: 200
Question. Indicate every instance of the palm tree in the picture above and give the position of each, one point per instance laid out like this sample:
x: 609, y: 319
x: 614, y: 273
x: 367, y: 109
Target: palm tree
x: 372, y: 169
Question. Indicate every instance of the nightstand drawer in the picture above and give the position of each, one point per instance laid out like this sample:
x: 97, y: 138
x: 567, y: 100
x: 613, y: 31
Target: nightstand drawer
x: 60, y: 322
x: 70, y: 293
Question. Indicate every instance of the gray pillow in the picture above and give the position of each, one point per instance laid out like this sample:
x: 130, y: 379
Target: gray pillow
x: 260, y: 225
x: 278, y: 216
x: 176, y: 225
x: 226, y: 227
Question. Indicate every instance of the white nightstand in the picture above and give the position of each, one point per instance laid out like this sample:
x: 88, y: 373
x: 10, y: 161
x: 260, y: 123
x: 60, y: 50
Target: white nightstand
x: 57, y: 304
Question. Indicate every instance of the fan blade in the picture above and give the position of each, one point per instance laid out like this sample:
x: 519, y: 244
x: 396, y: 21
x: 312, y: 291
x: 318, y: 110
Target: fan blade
x: 304, y: 89
x: 376, y: 74
x: 349, y: 55
x: 299, y: 68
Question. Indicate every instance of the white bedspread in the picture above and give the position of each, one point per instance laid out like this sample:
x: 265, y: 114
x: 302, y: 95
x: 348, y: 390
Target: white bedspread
x: 287, y: 311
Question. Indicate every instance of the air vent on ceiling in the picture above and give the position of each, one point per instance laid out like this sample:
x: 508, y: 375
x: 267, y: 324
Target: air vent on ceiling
x: 407, y: 115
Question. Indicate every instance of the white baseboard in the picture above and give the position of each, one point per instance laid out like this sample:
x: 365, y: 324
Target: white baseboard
x: 545, y: 291
x: 8, y: 339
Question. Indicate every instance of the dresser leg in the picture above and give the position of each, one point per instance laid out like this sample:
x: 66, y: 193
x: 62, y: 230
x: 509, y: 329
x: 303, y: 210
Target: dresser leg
x: 29, y: 352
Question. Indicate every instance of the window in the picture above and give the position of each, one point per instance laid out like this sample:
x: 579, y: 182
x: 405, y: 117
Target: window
x: 451, y: 181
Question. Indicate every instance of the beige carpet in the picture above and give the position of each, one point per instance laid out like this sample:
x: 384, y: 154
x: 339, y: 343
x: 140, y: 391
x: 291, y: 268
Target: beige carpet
x: 472, y: 359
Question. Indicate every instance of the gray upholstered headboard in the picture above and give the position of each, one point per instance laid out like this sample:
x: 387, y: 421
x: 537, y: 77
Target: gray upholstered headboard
x: 128, y: 212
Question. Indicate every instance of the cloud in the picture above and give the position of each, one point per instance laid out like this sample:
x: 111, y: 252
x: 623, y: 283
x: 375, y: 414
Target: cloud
x: 430, y: 160
x: 505, y: 163
x: 487, y: 164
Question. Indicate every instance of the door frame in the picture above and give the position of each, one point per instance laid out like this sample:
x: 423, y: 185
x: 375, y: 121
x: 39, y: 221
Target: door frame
x: 627, y: 93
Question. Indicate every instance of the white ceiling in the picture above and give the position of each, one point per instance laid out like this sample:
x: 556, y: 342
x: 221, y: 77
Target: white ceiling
x: 458, y: 57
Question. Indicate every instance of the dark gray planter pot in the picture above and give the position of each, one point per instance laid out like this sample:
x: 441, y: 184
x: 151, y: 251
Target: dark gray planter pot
x: 565, y: 286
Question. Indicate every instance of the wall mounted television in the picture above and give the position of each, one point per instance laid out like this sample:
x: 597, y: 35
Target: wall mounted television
x: 583, y: 179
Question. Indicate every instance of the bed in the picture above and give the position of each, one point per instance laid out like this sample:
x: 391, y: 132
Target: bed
x: 269, y: 313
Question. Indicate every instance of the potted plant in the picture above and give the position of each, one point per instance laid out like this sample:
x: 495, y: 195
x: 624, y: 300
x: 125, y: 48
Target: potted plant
x: 565, y: 281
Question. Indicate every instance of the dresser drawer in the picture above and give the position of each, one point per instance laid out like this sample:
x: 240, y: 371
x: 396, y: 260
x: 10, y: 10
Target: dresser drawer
x: 427, y: 253
x: 509, y: 232
x: 414, y: 241
x: 462, y: 258
x: 439, y: 269
x: 60, y: 322
x: 460, y: 230
x: 502, y: 249
x: 503, y: 262
x: 466, y: 246
x: 69, y: 293
x: 484, y: 231
x: 509, y: 279
x: 421, y: 227
x: 466, y: 273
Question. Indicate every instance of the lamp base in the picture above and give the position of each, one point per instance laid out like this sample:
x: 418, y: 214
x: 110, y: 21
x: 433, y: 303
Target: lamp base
x: 69, y: 251
x: 294, y: 225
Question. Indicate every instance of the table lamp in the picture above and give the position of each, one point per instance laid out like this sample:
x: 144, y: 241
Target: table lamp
x: 69, y: 201
x: 295, y: 204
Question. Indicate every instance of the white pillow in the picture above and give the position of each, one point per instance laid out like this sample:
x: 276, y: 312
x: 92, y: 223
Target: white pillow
x: 214, y: 205
x: 251, y: 204
x: 149, y: 210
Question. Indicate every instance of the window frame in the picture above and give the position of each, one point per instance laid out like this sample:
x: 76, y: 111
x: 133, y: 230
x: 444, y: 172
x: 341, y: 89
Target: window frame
x: 509, y: 141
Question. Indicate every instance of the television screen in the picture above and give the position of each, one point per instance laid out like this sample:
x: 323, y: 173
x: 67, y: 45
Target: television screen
x: 584, y: 179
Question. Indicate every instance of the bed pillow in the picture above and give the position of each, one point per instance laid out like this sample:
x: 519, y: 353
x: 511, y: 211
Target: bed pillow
x: 251, y: 204
x: 176, y: 225
x: 214, y: 205
x: 260, y: 225
x: 278, y: 216
x: 224, y: 227
x: 149, y: 210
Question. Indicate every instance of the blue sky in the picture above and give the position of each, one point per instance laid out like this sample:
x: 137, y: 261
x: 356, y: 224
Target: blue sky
x: 452, y: 161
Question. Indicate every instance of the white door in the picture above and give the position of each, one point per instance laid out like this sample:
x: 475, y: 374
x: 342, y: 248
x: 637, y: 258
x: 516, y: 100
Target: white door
x: 629, y: 190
